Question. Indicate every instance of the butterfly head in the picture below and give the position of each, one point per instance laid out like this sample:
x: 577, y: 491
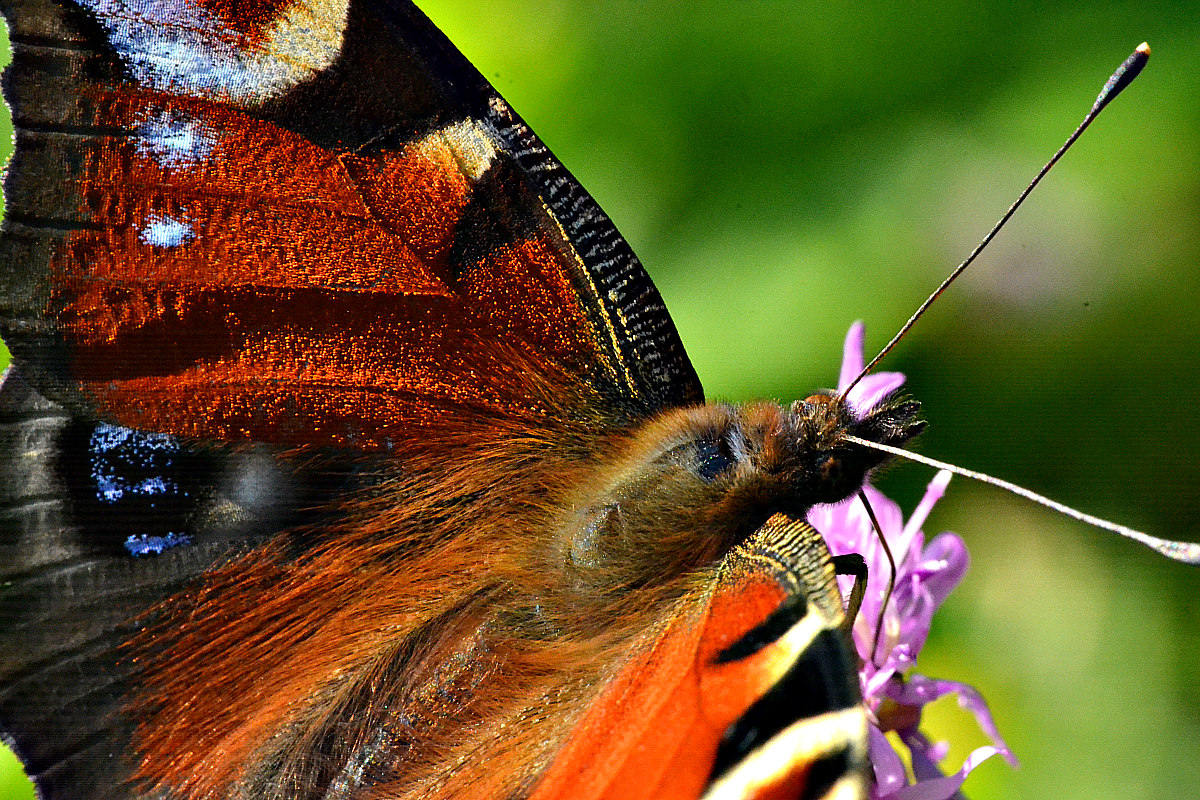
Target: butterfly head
x: 687, y: 487
x: 825, y: 466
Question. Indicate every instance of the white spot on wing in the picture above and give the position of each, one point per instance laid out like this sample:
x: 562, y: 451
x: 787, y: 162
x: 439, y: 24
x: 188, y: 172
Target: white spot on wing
x: 180, y: 46
x: 174, y: 140
x: 163, y: 231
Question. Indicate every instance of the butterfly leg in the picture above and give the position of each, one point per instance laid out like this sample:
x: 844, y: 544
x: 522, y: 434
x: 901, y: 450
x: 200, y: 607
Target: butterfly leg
x: 852, y: 564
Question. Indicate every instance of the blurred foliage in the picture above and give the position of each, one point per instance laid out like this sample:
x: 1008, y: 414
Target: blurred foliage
x: 784, y: 168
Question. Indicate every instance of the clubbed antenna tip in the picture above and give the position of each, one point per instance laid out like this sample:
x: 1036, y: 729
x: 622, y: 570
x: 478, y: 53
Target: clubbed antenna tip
x: 1124, y: 76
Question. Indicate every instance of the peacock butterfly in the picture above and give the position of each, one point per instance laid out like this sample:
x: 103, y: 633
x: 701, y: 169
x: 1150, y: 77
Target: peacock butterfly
x: 108, y: 445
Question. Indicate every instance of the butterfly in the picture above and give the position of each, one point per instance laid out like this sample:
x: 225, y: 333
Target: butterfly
x: 137, y: 465
x: 316, y: 350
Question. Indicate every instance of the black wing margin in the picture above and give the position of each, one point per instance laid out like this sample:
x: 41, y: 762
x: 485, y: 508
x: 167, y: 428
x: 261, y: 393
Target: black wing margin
x: 441, y: 86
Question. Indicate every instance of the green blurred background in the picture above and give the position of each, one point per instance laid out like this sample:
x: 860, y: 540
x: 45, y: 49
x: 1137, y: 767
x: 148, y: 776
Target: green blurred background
x: 784, y: 168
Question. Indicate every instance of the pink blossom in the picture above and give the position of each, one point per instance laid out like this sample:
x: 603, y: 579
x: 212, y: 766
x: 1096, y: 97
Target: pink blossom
x: 894, y: 694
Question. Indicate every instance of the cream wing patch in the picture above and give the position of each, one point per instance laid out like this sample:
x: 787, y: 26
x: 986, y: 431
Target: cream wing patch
x: 469, y: 143
x: 770, y: 765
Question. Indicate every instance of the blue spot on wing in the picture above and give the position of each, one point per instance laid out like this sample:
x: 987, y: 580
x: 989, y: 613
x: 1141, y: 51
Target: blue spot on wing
x: 143, y: 544
x: 126, y: 463
x: 137, y: 481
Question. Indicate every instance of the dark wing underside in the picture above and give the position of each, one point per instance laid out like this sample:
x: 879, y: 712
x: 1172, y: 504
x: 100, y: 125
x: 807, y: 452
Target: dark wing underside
x: 98, y: 524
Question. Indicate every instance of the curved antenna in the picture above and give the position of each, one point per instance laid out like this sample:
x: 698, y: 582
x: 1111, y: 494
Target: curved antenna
x: 1119, y: 80
x: 1186, y: 552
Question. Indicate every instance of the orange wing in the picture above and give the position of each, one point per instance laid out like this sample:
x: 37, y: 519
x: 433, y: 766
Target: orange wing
x: 237, y: 223
x: 747, y: 691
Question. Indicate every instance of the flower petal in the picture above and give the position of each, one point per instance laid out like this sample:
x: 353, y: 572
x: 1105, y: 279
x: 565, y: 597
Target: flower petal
x: 919, y: 690
x: 946, y: 786
x: 889, y: 769
x: 944, y: 563
x: 872, y: 389
x: 852, y: 354
x: 933, y: 492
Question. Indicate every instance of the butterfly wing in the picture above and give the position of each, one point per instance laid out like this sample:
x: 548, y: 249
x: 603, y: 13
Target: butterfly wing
x: 304, y: 223
x: 98, y: 524
x: 747, y: 691
x: 307, y: 224
x: 255, y: 255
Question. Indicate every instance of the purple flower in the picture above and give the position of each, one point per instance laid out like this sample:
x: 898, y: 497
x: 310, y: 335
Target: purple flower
x: 888, y: 643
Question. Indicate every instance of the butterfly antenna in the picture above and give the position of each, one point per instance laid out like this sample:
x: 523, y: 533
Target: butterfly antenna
x: 891, y: 581
x: 1186, y: 552
x: 1119, y: 80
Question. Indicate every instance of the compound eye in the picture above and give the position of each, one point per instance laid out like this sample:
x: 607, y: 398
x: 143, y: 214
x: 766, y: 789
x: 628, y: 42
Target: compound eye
x: 714, y: 457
